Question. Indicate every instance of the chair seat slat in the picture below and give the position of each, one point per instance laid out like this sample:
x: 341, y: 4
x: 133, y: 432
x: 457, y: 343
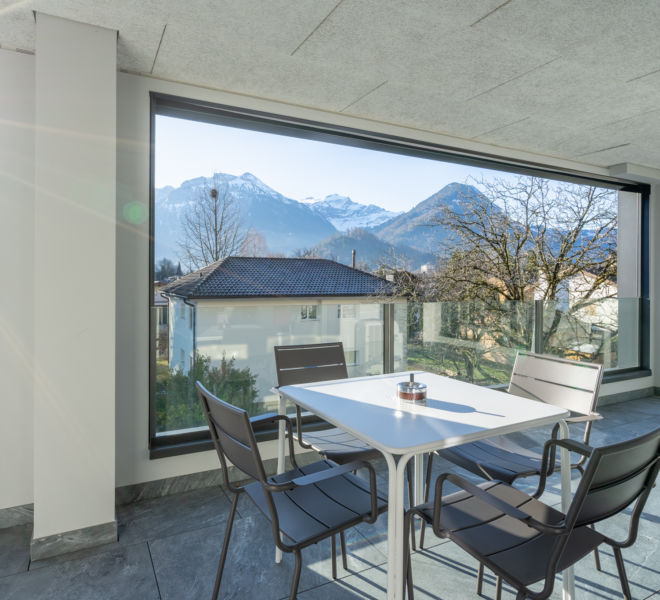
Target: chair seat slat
x: 340, y: 446
x: 294, y: 522
x: 525, y: 562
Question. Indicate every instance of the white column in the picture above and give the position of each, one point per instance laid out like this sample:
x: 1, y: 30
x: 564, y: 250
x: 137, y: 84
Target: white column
x: 16, y: 250
x: 74, y: 281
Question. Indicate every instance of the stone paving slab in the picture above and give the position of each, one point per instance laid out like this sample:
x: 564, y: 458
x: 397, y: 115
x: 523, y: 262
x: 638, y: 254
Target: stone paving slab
x: 121, y: 574
x: 162, y: 517
x: 15, y: 549
x: 186, y: 564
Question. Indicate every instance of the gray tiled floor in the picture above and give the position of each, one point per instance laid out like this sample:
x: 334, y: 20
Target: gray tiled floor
x: 168, y: 548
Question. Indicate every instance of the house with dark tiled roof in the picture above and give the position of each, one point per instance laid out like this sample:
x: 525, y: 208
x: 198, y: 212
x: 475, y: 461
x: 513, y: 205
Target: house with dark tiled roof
x: 241, y: 307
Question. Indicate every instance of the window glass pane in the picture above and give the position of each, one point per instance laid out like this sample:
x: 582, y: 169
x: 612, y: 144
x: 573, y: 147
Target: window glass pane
x: 234, y: 354
x: 478, y: 263
x: 601, y: 330
x: 474, y: 341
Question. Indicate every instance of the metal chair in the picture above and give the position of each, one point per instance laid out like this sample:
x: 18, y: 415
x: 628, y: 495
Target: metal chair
x: 560, y: 382
x: 523, y: 540
x: 304, y: 505
x: 308, y: 363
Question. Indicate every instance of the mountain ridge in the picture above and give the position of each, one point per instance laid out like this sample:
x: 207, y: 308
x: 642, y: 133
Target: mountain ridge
x: 290, y: 227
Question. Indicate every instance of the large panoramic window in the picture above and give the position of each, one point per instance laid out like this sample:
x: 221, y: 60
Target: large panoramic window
x: 271, y: 232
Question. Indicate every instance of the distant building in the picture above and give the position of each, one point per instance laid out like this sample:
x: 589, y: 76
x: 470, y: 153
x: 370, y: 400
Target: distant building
x: 240, y: 307
x: 162, y: 317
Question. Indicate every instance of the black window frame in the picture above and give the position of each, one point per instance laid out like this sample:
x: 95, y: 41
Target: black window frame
x: 172, y: 444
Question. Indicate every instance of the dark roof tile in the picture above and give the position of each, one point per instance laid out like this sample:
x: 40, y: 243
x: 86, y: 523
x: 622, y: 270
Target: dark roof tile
x: 246, y: 277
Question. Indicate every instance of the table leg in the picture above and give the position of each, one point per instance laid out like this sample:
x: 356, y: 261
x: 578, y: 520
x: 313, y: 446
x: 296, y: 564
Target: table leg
x: 395, y: 513
x: 419, y: 480
x: 418, y: 486
x: 281, y: 409
x: 568, y: 586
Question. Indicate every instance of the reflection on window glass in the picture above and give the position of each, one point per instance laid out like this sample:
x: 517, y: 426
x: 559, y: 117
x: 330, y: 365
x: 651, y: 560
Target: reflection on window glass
x: 351, y: 357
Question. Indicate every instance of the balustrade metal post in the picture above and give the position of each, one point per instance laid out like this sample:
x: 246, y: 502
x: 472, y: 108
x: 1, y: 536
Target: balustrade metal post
x: 538, y: 326
x: 388, y: 338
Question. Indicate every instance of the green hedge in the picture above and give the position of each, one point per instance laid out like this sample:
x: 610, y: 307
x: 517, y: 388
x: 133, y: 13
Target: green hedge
x: 177, y: 403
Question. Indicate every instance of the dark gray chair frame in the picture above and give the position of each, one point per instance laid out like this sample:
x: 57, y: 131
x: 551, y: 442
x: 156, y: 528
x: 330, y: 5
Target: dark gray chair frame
x: 309, y: 363
x: 304, y: 505
x: 525, y: 541
x: 532, y: 377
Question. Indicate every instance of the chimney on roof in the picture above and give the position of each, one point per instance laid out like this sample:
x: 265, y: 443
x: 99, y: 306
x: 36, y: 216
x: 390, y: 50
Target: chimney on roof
x: 353, y: 258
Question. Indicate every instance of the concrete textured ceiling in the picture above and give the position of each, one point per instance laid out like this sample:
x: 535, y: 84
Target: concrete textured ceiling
x: 573, y: 79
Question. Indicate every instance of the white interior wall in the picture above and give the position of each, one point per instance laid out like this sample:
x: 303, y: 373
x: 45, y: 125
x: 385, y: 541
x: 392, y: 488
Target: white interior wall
x: 16, y: 298
x: 74, y: 266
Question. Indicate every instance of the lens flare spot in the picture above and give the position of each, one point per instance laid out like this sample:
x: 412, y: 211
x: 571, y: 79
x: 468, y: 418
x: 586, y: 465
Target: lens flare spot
x: 135, y: 213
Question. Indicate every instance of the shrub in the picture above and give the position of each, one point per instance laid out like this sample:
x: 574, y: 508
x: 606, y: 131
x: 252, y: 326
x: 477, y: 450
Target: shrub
x: 177, y: 403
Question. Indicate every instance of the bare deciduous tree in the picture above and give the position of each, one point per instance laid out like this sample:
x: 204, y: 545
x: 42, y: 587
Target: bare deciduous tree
x: 306, y: 253
x: 212, y: 227
x: 254, y: 244
x: 531, y: 236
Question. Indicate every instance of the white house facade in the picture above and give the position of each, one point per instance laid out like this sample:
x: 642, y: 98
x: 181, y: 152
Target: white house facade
x: 225, y: 310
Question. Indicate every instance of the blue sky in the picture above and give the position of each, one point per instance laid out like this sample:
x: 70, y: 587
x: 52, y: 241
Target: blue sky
x: 299, y: 168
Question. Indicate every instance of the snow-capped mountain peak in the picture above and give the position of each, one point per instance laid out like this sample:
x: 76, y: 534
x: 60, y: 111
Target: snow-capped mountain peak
x: 339, y: 201
x: 345, y: 214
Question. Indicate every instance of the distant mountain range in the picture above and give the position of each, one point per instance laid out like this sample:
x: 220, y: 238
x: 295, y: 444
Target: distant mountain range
x: 331, y: 227
x: 419, y: 226
x: 286, y: 225
x: 371, y: 251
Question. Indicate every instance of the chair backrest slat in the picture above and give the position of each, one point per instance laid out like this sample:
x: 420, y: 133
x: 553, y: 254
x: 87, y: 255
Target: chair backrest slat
x: 232, y: 435
x: 616, y: 476
x: 310, y: 362
x: 565, y: 383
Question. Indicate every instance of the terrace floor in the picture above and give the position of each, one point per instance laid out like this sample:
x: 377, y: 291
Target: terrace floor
x: 168, y: 548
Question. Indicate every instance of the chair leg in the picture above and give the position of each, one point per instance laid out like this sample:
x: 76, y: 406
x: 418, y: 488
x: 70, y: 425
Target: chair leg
x: 225, y: 546
x: 498, y: 588
x: 411, y: 501
x: 622, y: 573
x: 344, y: 554
x: 427, y: 486
x: 596, y: 555
x: 296, y: 575
x: 333, y: 545
x: 409, y: 581
x: 480, y: 579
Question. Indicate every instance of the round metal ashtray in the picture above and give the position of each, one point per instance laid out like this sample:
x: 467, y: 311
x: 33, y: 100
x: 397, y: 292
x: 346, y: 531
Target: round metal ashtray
x: 413, y: 392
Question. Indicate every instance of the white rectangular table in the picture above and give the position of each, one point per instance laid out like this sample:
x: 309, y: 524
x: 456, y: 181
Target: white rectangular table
x: 454, y: 413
